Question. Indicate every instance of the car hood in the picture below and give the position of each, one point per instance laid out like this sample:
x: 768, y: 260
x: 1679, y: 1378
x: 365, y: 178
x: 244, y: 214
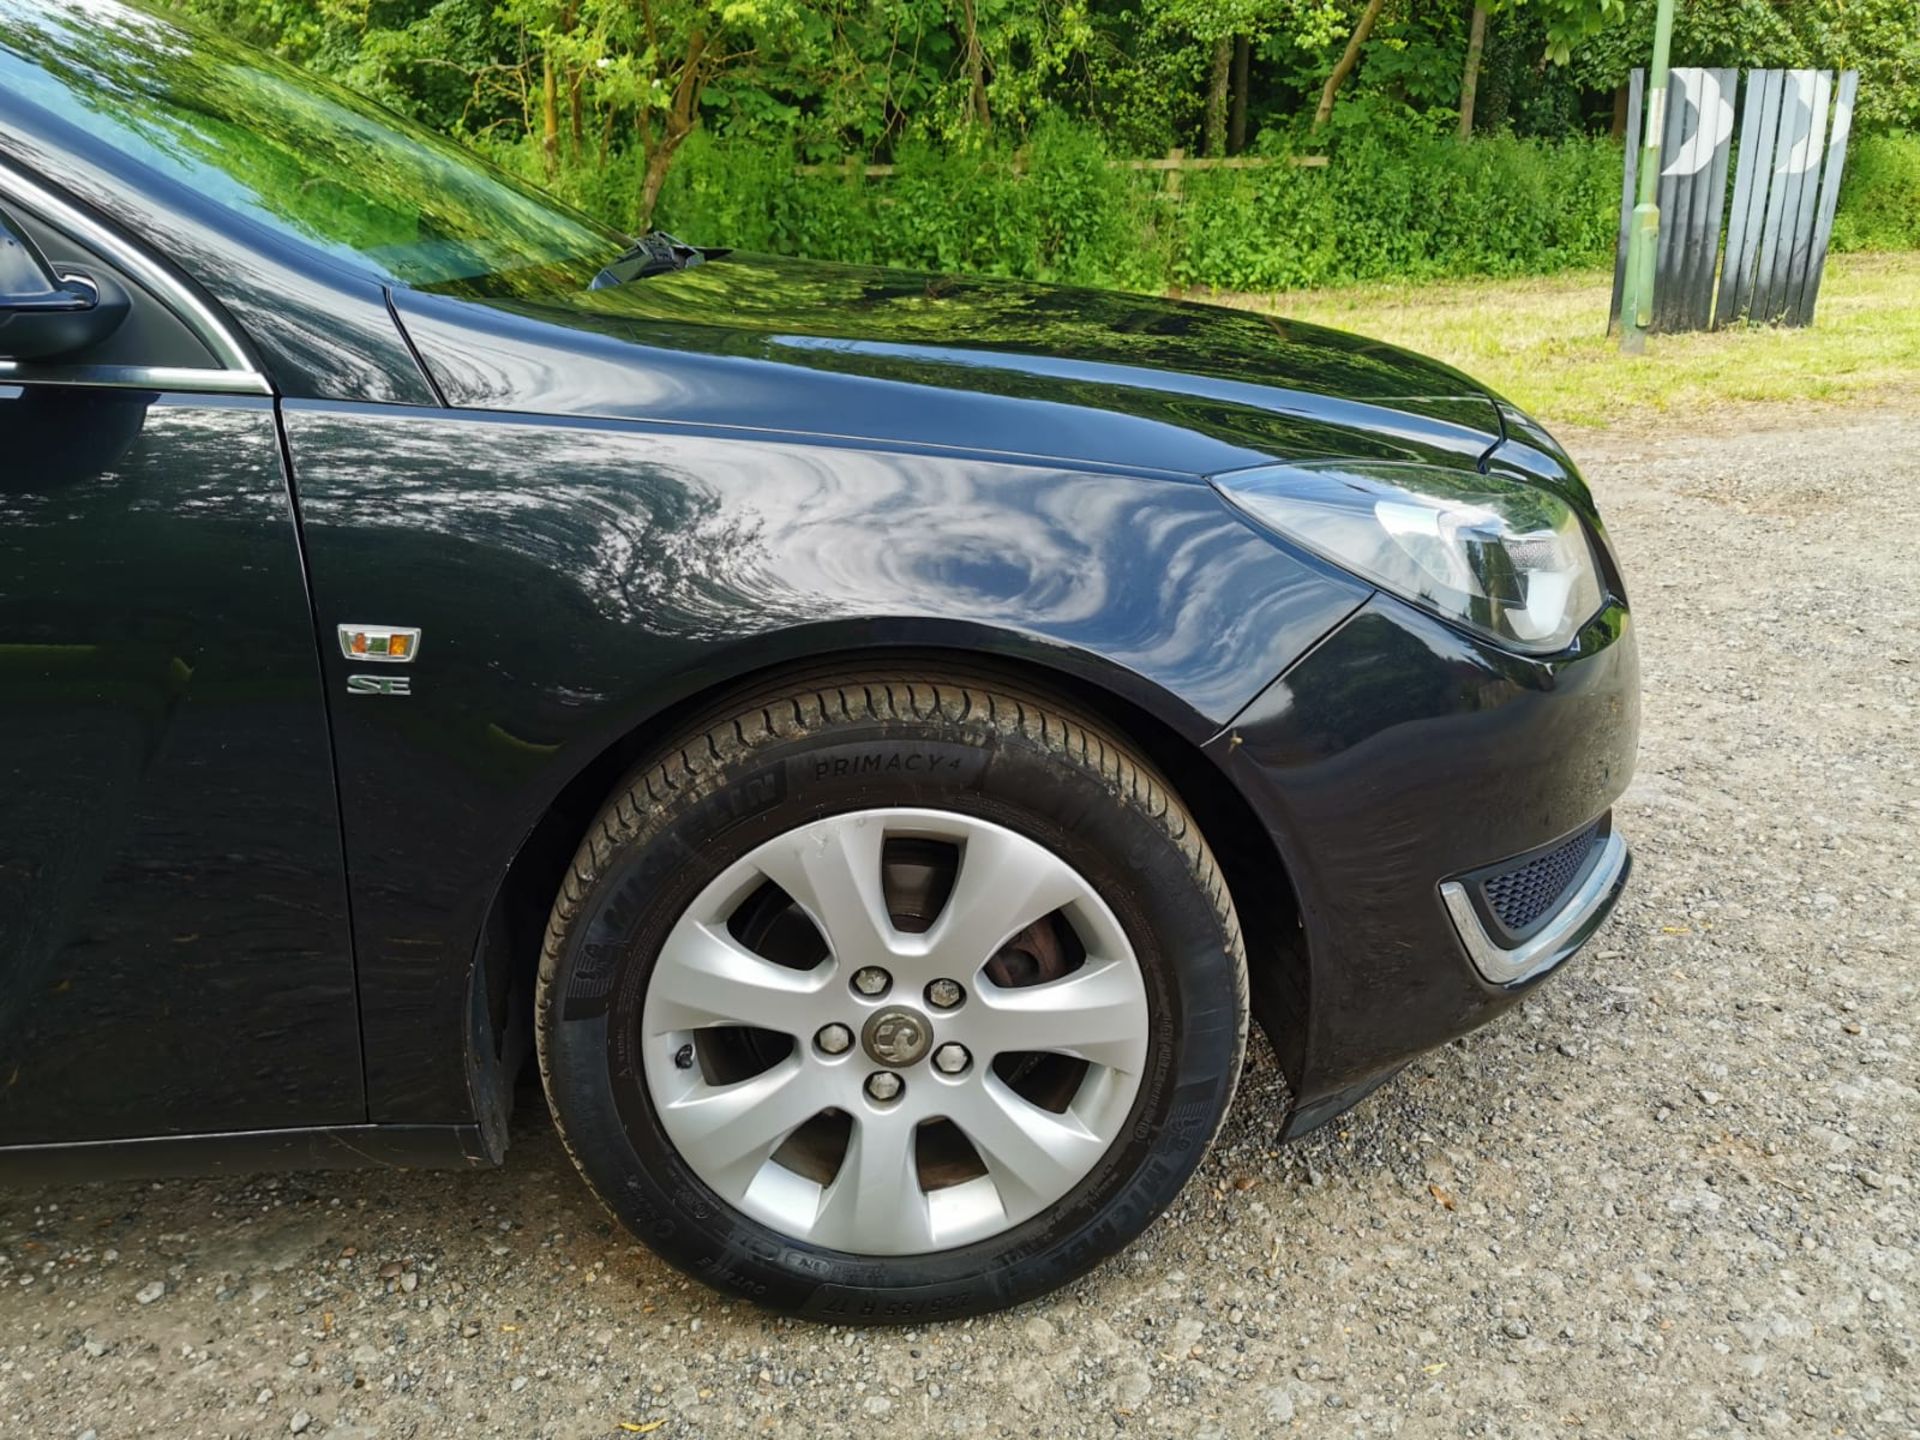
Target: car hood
x: 906, y: 358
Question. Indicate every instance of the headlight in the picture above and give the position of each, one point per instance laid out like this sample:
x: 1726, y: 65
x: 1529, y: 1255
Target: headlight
x: 1507, y: 559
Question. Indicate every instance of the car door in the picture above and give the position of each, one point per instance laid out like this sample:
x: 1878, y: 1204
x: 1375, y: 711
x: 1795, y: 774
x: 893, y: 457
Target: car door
x: 174, y: 946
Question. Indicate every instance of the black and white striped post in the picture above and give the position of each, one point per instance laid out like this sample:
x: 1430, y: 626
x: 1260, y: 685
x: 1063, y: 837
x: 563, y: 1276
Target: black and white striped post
x: 1780, y: 220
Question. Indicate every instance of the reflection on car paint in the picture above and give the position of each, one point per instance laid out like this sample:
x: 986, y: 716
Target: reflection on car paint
x: 578, y: 577
x: 175, y: 949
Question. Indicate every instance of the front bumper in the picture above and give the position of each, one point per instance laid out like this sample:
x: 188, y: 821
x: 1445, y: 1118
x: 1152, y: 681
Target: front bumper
x: 1395, y: 766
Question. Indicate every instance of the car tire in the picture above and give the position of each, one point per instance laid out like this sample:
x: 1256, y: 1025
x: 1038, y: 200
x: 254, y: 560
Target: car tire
x: 1133, y: 991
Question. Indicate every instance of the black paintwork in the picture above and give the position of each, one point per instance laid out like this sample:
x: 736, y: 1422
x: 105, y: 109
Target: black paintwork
x: 573, y: 579
x: 926, y: 360
x: 174, y: 944
x: 1402, y: 752
x: 603, y: 507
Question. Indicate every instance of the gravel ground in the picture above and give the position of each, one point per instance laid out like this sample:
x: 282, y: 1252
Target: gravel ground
x: 1674, y: 1195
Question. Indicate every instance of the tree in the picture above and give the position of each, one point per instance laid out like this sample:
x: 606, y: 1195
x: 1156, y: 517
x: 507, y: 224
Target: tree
x: 1242, y: 79
x: 1880, y: 38
x: 657, y: 58
x: 1343, y: 67
x: 976, y: 68
x: 1215, y: 130
x: 1470, y: 79
x: 597, y: 99
x: 1227, y: 31
x: 1568, y: 23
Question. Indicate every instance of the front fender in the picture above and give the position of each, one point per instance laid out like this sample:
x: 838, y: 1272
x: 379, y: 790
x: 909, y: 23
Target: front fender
x: 574, y: 579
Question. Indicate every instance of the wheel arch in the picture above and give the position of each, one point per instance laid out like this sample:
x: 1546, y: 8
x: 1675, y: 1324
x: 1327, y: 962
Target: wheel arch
x: 507, y: 954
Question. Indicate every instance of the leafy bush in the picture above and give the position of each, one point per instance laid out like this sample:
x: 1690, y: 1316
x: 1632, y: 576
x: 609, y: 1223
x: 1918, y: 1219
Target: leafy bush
x: 1054, y: 212
x: 1412, y: 207
x: 1413, y: 210
x: 1880, y: 195
x: 1408, y: 208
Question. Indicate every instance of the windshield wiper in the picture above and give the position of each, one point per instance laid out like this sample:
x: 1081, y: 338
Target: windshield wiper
x: 653, y: 253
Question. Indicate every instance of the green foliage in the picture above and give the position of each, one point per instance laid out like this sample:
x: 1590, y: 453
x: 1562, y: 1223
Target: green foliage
x: 1880, y: 196
x: 864, y: 76
x: 1880, y: 38
x: 1055, y: 211
x: 1000, y: 116
x: 1419, y: 208
x: 1413, y: 207
x: 1569, y: 22
x: 1520, y: 96
x: 310, y: 158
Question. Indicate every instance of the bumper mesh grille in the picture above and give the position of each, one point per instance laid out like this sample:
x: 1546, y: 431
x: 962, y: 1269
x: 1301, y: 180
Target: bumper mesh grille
x: 1522, y: 895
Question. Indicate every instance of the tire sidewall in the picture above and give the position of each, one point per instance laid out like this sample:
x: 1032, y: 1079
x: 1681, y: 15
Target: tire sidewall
x: 592, y: 1031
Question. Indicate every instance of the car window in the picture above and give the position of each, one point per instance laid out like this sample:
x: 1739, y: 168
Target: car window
x: 288, y: 149
x: 151, y: 335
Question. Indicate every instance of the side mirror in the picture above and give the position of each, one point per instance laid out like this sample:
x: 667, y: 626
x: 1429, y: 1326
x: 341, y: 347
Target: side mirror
x: 49, y: 314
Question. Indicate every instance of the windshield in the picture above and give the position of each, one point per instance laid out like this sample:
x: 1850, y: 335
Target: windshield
x: 288, y: 149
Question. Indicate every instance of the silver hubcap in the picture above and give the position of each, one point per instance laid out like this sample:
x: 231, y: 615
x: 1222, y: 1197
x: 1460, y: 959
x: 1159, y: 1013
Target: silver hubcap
x: 1046, y: 1052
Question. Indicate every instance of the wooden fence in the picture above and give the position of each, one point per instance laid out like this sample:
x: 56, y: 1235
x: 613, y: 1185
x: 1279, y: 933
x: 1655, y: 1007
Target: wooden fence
x: 1174, y: 164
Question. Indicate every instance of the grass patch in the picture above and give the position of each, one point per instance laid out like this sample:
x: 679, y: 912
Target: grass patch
x: 1542, y: 343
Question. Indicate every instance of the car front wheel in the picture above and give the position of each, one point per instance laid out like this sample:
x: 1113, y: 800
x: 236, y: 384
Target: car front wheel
x: 891, y: 997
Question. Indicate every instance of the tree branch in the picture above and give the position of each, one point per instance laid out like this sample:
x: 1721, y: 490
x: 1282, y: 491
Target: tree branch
x: 1348, y: 60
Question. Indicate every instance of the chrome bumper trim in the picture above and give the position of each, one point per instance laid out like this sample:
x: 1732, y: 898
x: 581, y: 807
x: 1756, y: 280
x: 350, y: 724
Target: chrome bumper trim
x: 1578, y: 918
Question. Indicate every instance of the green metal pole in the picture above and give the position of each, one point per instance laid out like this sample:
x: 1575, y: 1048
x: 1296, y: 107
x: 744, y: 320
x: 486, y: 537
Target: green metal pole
x: 1643, y: 240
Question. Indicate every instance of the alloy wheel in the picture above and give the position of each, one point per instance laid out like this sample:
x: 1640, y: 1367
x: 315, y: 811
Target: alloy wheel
x: 895, y: 1031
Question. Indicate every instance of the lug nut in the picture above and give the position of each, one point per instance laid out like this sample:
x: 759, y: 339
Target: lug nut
x: 871, y: 980
x: 945, y: 994
x: 834, y: 1039
x: 951, y: 1059
x: 884, y: 1085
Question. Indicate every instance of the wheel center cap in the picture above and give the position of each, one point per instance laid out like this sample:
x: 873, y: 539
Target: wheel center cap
x: 897, y: 1036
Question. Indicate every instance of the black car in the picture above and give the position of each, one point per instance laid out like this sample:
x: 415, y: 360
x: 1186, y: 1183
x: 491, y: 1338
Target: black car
x: 874, y: 736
